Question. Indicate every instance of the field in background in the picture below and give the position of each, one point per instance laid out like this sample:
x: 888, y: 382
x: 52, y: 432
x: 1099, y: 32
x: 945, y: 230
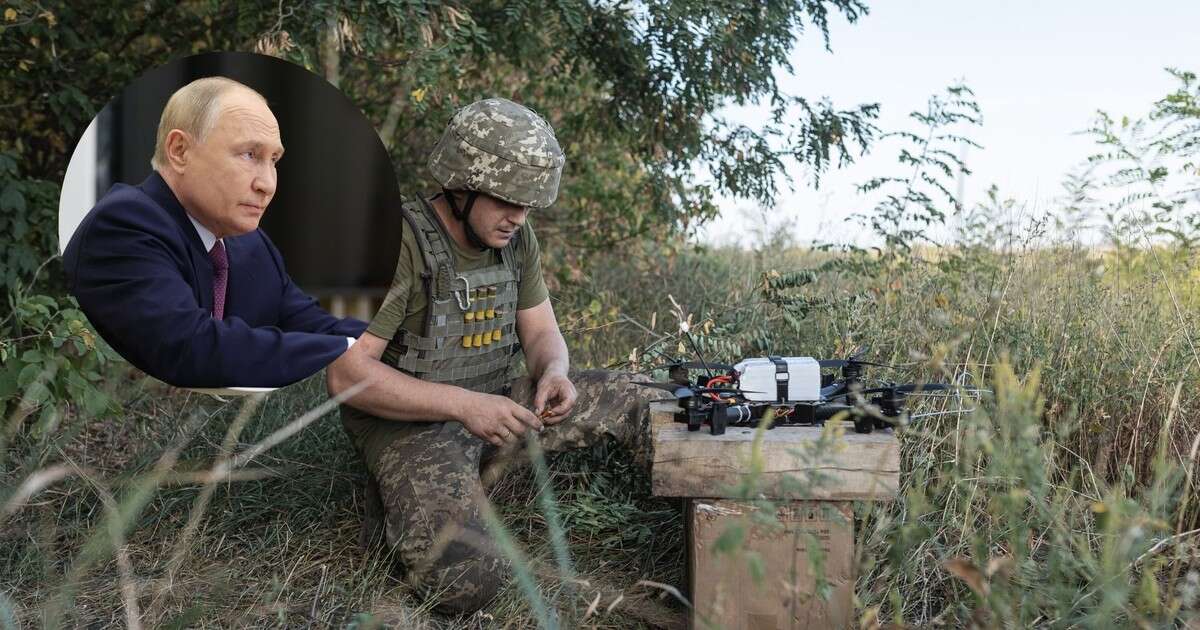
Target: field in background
x: 1067, y: 498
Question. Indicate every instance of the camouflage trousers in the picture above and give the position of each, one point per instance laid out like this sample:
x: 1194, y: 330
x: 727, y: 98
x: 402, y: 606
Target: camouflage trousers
x: 425, y: 480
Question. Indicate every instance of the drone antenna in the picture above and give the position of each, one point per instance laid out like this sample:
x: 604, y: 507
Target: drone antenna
x: 695, y: 348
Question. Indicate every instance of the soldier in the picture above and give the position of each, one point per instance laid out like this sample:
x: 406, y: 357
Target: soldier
x: 467, y: 295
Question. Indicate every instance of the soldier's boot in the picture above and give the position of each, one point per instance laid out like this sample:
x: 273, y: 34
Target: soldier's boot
x: 371, y: 535
x: 465, y: 575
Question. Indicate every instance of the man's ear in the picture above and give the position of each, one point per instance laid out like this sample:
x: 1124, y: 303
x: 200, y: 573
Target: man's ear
x: 178, y: 145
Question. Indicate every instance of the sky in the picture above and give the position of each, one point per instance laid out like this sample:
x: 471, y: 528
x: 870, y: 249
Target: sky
x: 1039, y: 70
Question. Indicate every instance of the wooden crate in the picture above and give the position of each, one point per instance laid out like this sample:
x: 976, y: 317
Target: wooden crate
x: 811, y: 475
x: 806, y: 535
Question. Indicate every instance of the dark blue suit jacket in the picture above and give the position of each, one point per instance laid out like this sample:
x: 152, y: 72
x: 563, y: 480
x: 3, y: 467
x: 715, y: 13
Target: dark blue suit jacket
x: 139, y: 270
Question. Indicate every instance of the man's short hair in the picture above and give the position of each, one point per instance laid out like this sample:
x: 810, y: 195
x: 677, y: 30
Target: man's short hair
x: 193, y: 109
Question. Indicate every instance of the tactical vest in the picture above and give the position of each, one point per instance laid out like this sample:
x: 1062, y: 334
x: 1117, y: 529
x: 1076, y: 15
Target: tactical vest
x: 469, y: 334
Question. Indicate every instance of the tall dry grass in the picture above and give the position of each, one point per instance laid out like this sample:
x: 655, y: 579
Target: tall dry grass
x: 1064, y: 500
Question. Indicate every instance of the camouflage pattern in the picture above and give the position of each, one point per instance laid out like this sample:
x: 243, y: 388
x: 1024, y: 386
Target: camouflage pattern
x: 500, y: 148
x: 426, y: 480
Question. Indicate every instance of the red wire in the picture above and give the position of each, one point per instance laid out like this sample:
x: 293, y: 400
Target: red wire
x: 716, y: 379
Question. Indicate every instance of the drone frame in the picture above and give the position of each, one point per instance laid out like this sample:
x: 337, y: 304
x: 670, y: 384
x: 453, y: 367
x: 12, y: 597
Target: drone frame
x: 722, y: 407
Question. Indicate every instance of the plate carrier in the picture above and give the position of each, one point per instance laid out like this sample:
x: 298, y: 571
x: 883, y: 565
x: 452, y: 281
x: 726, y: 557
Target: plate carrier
x: 469, y: 335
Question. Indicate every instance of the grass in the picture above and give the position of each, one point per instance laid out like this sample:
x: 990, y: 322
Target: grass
x: 280, y: 549
x: 1065, y: 500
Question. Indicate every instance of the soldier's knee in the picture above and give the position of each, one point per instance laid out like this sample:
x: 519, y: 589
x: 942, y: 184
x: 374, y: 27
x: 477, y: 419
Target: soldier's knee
x: 464, y: 586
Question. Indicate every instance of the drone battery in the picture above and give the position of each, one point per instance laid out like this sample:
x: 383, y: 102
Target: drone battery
x: 780, y: 379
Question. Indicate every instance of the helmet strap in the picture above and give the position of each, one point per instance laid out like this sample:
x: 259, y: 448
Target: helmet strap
x: 463, y: 214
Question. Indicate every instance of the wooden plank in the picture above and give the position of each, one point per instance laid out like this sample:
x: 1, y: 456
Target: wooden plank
x: 793, y: 463
x: 662, y: 414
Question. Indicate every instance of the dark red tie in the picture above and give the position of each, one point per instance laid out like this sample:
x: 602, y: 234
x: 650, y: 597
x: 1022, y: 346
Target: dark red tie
x: 220, y: 278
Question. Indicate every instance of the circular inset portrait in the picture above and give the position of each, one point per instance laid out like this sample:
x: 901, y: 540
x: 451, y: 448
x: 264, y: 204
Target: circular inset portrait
x: 221, y: 216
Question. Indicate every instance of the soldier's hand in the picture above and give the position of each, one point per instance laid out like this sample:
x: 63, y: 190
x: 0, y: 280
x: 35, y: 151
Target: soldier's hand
x: 554, y: 398
x: 497, y: 419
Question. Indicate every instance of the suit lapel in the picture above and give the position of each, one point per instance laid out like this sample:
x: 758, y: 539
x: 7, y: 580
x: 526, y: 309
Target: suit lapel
x: 197, y: 257
x: 242, y: 282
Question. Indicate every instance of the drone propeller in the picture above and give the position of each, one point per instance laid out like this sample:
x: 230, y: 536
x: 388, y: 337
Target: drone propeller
x: 854, y: 359
x: 906, y: 389
x: 680, y: 391
x: 955, y: 393
x: 698, y: 365
x: 684, y: 391
x: 723, y: 390
x: 839, y: 363
x: 909, y: 388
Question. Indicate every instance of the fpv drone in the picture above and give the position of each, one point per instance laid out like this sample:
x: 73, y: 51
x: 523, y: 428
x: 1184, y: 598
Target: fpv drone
x: 794, y: 387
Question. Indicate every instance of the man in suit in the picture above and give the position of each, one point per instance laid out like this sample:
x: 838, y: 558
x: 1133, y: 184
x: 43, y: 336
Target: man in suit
x: 176, y: 275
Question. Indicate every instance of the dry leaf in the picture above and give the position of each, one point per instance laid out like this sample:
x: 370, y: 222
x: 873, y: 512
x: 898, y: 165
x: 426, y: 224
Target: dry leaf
x: 966, y: 571
x: 999, y: 565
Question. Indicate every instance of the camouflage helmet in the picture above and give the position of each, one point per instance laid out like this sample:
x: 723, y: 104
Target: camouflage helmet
x: 502, y: 149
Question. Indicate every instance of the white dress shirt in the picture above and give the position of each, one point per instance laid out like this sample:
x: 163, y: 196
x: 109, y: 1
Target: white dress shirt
x: 208, y: 238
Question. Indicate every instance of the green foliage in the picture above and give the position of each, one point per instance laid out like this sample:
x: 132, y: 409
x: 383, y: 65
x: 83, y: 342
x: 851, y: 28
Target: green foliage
x: 26, y: 221
x: 1066, y: 500
x: 1152, y: 163
x: 294, y: 513
x: 1013, y: 517
x: 609, y: 505
x: 57, y: 368
x: 51, y: 362
x: 66, y: 60
x: 1063, y: 500
x: 633, y: 91
x: 921, y: 197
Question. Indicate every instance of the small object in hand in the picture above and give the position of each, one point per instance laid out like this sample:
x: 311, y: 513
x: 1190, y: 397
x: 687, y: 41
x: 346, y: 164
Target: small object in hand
x: 546, y: 413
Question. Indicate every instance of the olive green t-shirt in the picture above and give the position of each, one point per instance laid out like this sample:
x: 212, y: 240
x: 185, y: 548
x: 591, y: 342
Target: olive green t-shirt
x: 405, y: 303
